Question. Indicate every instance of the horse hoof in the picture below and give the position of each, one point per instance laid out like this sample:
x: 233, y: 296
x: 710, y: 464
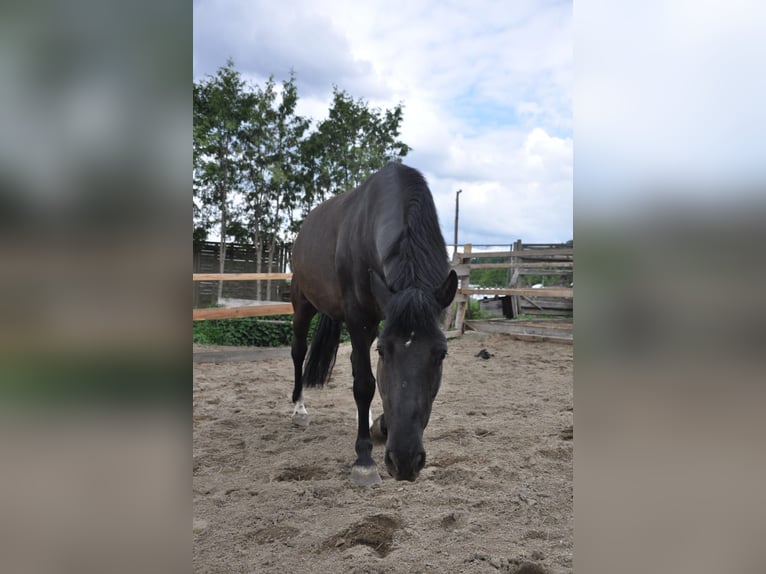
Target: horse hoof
x: 301, y: 420
x: 376, y: 433
x: 365, y: 475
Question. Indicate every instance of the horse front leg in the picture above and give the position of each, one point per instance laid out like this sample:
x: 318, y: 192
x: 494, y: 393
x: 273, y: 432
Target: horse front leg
x: 364, y: 472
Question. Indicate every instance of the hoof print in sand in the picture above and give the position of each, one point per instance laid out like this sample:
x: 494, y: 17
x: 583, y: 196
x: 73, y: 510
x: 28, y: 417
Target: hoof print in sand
x: 376, y: 532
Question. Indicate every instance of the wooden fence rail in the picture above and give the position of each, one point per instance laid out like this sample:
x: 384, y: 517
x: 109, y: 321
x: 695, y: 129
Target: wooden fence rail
x: 250, y: 311
x: 563, y: 292
x: 259, y: 309
x: 543, y: 260
x: 522, y: 253
x: 514, y: 265
x: 239, y: 276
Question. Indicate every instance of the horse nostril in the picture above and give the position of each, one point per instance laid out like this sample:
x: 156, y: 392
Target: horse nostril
x: 405, y: 466
x: 391, y: 461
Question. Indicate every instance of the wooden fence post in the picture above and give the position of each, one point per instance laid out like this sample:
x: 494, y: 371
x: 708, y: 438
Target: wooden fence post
x: 517, y: 246
x: 450, y: 315
x: 195, y: 285
x: 464, y: 279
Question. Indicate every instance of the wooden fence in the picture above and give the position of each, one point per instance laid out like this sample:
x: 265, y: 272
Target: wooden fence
x: 521, y: 260
x: 254, y: 309
x: 240, y: 259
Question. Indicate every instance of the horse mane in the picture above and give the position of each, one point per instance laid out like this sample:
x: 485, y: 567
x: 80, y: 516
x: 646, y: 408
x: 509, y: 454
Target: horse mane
x: 418, y: 257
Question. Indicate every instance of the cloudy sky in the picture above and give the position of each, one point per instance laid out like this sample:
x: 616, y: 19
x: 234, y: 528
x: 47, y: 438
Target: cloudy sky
x: 486, y: 87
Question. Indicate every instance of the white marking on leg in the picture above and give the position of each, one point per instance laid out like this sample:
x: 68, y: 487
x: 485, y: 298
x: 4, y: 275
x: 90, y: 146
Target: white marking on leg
x: 369, y: 420
x: 300, y: 408
x: 300, y: 414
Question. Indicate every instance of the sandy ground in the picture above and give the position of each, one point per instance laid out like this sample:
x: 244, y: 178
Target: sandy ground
x: 495, y: 495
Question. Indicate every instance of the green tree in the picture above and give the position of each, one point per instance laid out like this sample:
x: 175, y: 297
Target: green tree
x: 219, y: 115
x: 273, y: 138
x: 259, y: 167
x: 258, y: 138
x: 350, y: 145
x: 286, y: 168
x: 489, y: 277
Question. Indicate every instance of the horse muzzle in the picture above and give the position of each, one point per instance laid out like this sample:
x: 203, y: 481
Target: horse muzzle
x: 405, y: 465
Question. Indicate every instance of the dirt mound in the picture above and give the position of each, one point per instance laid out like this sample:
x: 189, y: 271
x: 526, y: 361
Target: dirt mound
x: 376, y: 531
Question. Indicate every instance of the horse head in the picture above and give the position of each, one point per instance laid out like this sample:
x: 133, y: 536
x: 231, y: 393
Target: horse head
x: 411, y: 350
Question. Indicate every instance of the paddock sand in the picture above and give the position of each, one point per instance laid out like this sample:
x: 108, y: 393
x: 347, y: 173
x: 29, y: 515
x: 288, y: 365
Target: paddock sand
x: 495, y: 495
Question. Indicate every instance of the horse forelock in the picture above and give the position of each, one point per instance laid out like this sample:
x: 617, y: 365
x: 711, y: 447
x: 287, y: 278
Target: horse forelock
x: 412, y: 310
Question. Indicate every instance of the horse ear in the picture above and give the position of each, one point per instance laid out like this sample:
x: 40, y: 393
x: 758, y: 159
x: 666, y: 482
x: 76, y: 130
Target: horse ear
x: 446, y: 293
x: 380, y: 290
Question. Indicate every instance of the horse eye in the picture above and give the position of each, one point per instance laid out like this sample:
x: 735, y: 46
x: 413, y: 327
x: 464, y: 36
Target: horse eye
x: 380, y: 351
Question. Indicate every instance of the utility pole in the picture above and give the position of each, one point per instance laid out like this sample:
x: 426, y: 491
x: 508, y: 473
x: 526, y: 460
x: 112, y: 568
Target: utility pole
x: 457, y: 210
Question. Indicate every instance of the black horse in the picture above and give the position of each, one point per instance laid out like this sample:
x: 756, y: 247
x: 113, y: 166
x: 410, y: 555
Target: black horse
x: 372, y: 253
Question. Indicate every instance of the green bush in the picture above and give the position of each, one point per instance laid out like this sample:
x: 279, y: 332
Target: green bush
x: 273, y: 331
x: 245, y: 331
x: 474, y: 311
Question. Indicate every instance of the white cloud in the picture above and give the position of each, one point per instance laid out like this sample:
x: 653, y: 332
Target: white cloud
x: 264, y: 38
x: 522, y: 192
x: 486, y: 88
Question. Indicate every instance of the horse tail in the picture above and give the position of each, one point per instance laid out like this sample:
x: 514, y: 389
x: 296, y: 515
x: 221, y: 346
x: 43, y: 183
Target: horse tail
x: 321, y: 356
